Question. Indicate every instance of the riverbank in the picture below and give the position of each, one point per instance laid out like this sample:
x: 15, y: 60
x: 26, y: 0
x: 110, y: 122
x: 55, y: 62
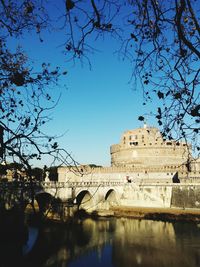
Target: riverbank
x: 158, y: 214
x: 163, y: 214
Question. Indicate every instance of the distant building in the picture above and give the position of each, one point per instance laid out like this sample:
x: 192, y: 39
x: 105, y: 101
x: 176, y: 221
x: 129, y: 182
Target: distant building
x: 145, y: 147
x: 146, y: 171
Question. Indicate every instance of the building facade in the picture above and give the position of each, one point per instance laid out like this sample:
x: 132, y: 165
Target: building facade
x: 145, y: 147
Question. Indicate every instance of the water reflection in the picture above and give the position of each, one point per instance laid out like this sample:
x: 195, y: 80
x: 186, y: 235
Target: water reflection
x: 32, y: 237
x: 117, y: 243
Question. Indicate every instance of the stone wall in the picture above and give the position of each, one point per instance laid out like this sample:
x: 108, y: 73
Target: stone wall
x: 161, y: 195
x: 186, y: 197
x: 146, y: 196
x: 121, y: 174
x: 149, y: 187
x: 148, y: 156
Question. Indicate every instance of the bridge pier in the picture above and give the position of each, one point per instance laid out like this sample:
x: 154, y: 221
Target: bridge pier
x: 68, y: 211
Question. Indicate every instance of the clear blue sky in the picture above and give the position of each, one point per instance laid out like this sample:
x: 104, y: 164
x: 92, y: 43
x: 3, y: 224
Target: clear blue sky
x: 97, y: 106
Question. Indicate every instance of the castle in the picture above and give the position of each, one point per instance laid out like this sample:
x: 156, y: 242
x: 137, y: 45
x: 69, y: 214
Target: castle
x: 142, y: 153
x: 145, y: 147
x: 145, y: 171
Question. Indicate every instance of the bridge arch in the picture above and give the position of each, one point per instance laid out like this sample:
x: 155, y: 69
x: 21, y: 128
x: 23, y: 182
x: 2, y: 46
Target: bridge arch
x: 111, y: 197
x: 44, y: 200
x: 85, y: 200
x: 30, y: 209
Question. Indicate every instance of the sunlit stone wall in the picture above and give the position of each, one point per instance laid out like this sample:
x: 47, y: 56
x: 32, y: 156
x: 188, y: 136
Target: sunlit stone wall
x: 146, y: 147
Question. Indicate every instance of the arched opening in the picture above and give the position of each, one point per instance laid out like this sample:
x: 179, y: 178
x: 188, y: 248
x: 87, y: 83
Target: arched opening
x: 111, y: 197
x: 84, y: 200
x: 32, y: 212
x: 44, y: 201
x: 175, y: 178
x: 31, y: 209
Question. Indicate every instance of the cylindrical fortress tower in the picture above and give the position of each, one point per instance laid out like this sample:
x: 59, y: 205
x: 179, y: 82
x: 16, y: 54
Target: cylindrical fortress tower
x: 146, y: 147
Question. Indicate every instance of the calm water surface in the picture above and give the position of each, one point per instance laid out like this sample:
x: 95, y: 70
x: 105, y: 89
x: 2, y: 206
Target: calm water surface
x: 118, y: 243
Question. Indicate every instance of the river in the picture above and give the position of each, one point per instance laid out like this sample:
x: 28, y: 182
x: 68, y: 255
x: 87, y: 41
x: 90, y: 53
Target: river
x: 116, y: 243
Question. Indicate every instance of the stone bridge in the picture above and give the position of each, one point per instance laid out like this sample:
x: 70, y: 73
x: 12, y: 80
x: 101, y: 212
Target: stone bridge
x: 102, y: 192
x: 99, y: 196
x: 89, y: 195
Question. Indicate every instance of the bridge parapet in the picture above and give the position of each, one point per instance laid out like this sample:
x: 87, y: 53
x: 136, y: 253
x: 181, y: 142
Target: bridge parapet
x: 80, y: 184
x: 95, y: 184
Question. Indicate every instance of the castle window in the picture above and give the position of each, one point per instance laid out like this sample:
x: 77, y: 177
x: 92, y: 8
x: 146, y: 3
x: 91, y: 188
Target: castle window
x: 169, y: 143
x: 134, y: 143
x: 130, y: 137
x: 135, y: 136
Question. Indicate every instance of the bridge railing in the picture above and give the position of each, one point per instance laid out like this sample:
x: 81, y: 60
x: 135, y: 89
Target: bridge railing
x: 95, y: 183
x: 56, y: 184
